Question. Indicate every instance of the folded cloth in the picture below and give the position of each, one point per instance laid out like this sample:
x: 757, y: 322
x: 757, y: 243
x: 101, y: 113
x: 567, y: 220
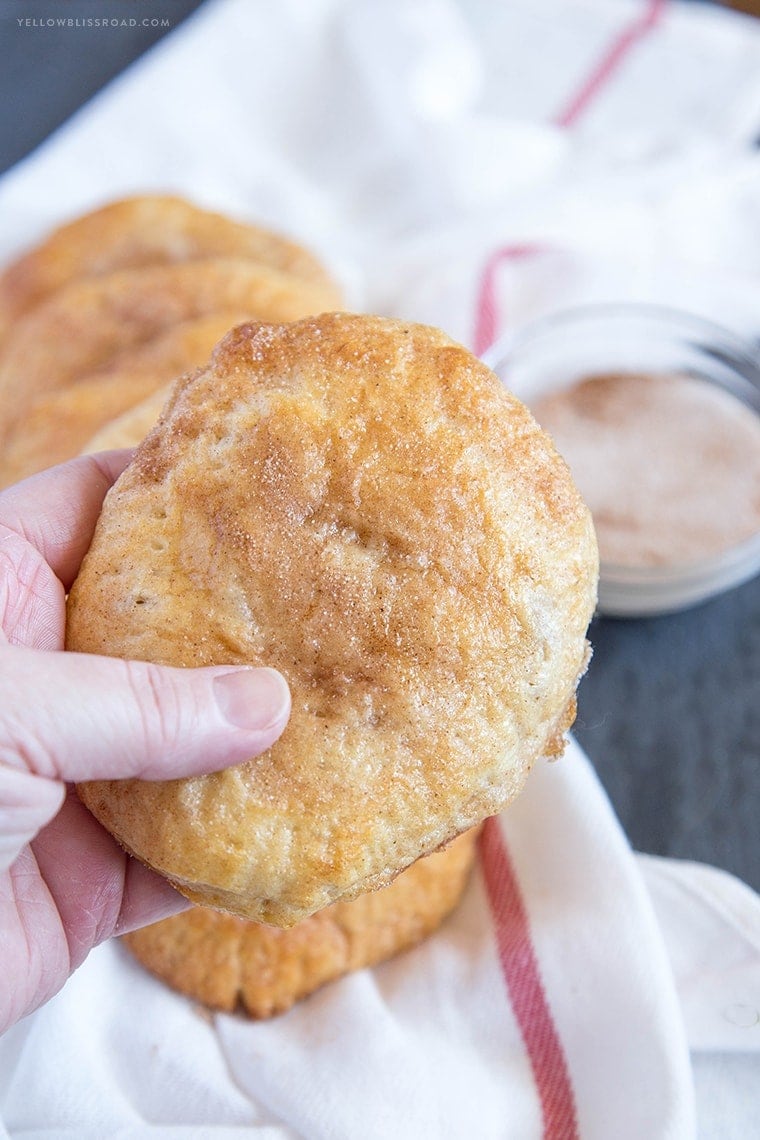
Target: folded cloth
x: 543, y: 1007
x: 474, y: 165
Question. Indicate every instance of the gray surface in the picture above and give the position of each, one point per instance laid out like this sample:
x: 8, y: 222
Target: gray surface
x: 46, y: 73
x: 670, y: 715
x: 670, y: 709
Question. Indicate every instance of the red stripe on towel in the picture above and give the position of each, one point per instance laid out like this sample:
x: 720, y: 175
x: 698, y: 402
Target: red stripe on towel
x: 486, y: 314
x: 609, y: 62
x: 526, y: 991
x: 487, y: 309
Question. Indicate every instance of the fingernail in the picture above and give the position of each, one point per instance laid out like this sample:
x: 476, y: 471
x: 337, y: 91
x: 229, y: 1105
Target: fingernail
x: 252, y: 698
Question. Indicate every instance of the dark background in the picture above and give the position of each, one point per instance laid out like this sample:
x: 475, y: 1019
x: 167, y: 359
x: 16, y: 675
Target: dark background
x: 670, y: 710
x: 47, y: 73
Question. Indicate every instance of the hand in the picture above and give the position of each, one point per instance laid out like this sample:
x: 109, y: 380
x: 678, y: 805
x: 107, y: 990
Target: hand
x: 65, y: 884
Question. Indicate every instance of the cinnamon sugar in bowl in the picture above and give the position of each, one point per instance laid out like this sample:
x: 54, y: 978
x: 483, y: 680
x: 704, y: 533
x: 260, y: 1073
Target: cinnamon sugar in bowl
x: 658, y: 416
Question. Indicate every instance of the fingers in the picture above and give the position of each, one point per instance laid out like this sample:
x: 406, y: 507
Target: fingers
x: 32, y: 599
x: 72, y: 717
x: 56, y: 511
x: 67, y: 717
x: 98, y: 890
x: 27, y: 803
x: 147, y: 898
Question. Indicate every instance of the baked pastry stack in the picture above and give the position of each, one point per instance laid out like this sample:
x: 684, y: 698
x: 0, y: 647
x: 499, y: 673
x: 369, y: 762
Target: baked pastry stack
x: 124, y: 300
x: 355, y: 501
x: 232, y: 964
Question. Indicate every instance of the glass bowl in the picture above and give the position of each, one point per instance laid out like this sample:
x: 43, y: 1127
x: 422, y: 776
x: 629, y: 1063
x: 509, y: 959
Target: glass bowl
x: 559, y: 350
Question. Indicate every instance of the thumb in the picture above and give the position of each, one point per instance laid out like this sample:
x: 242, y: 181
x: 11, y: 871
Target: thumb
x: 69, y: 717
x: 77, y: 716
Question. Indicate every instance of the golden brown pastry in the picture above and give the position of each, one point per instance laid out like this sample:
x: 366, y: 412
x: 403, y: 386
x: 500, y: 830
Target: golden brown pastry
x: 359, y: 503
x: 132, y: 426
x: 141, y: 231
x: 61, y: 423
x: 228, y: 963
x: 87, y: 324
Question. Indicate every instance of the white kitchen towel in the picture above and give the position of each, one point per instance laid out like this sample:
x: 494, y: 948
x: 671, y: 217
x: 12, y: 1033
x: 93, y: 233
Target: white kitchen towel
x: 544, y: 1007
x: 475, y: 165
